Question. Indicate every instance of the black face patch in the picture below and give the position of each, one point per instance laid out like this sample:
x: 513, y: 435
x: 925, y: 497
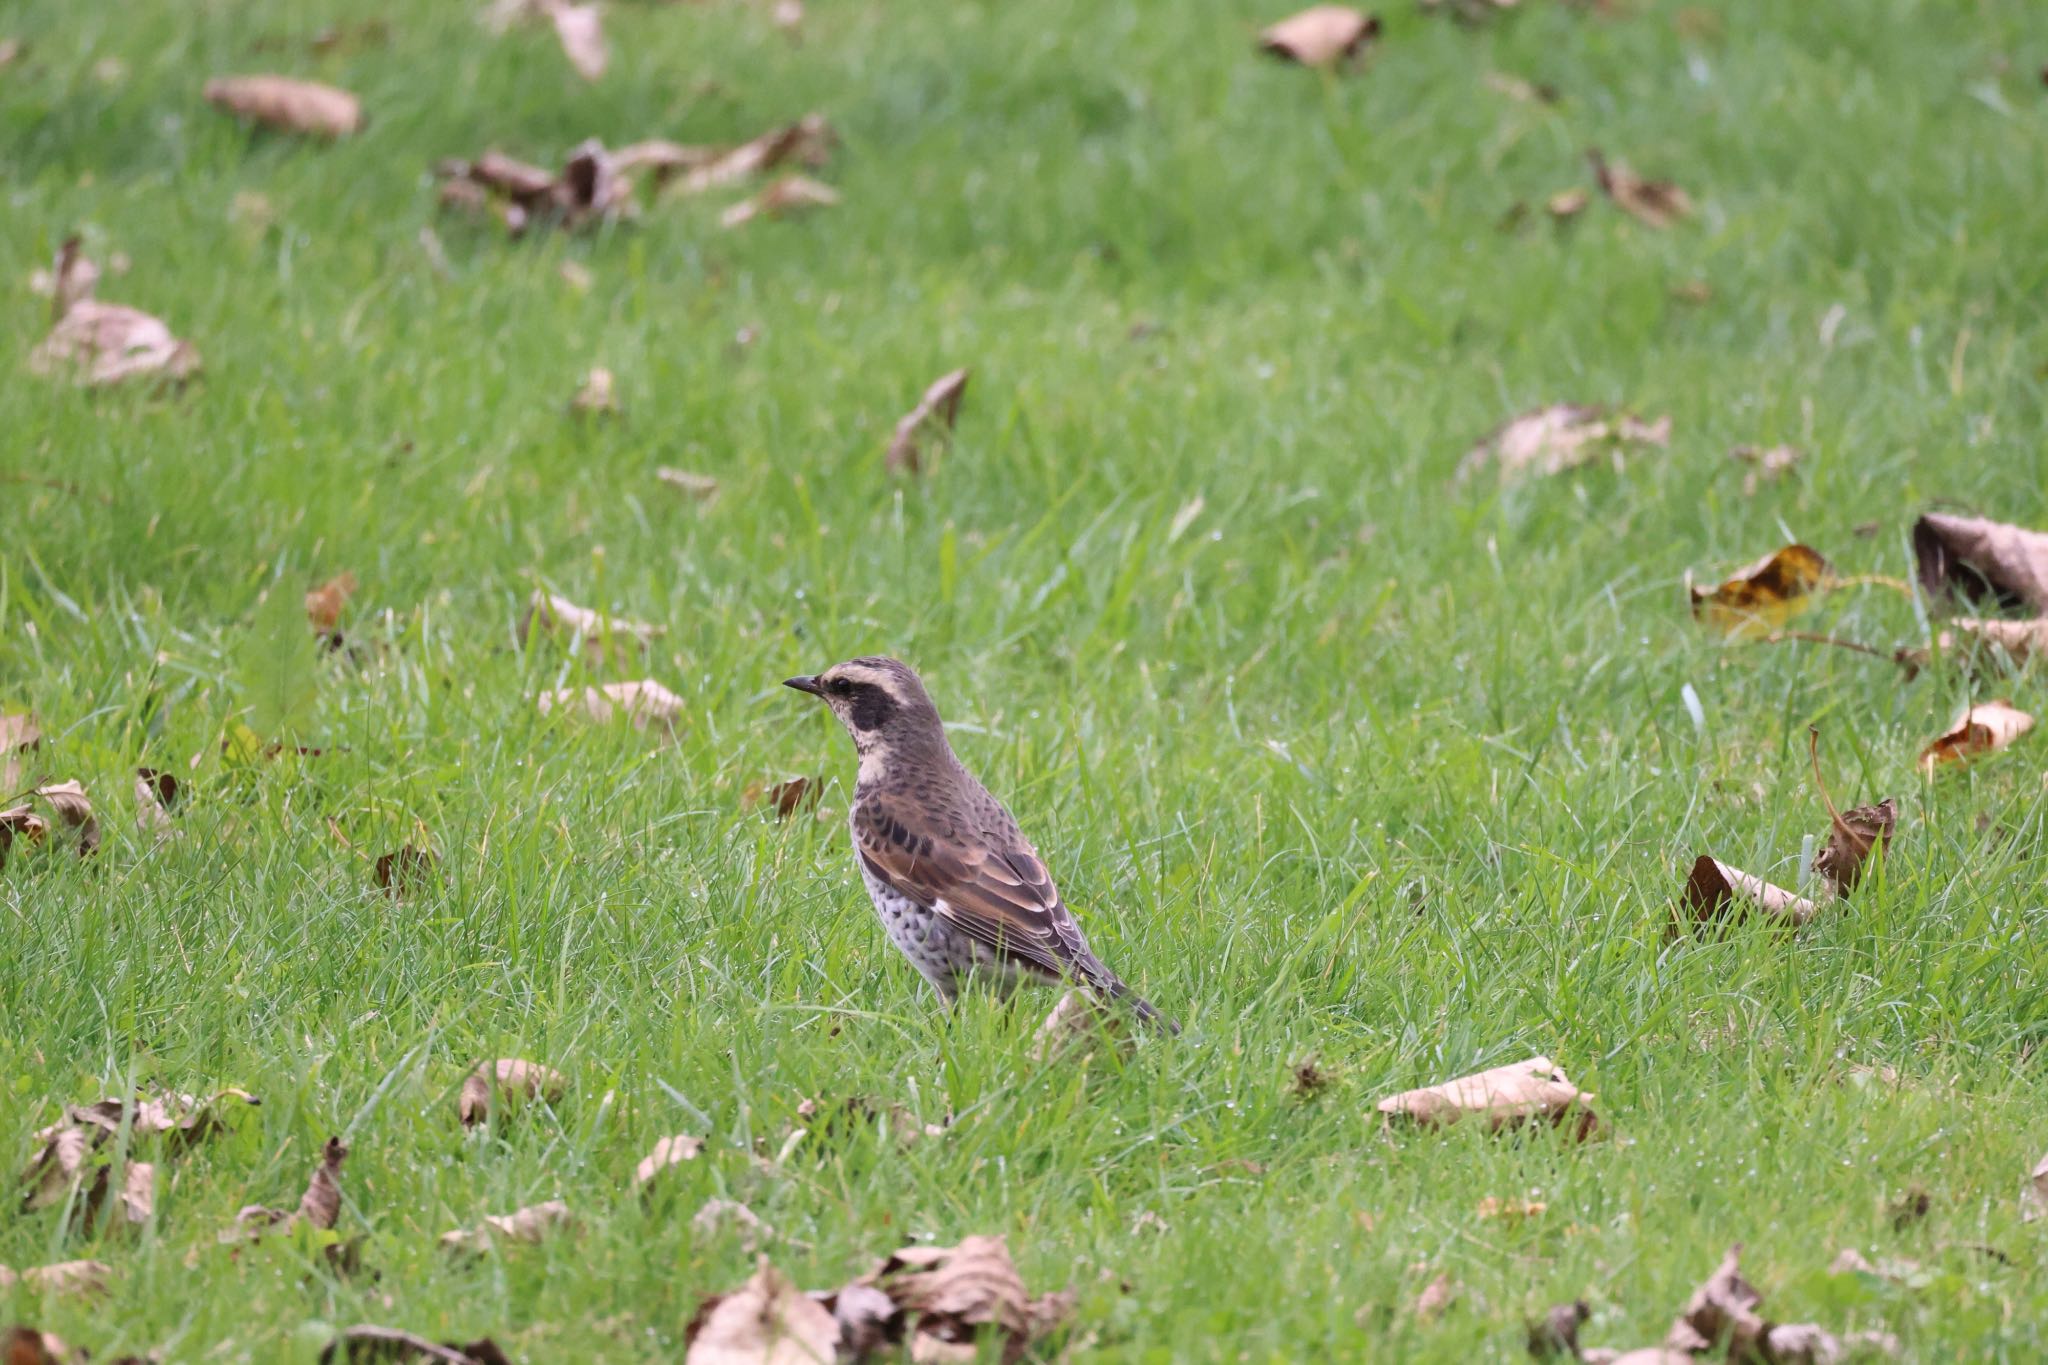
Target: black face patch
x: 872, y: 708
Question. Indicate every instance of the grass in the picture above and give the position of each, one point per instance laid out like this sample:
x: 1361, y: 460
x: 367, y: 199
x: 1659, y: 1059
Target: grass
x: 1358, y: 765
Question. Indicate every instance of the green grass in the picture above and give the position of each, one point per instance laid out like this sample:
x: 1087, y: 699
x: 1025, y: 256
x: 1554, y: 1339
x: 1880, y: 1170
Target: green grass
x: 1362, y: 766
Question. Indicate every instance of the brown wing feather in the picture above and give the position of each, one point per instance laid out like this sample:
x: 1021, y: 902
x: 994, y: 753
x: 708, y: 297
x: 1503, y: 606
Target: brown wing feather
x: 1000, y: 896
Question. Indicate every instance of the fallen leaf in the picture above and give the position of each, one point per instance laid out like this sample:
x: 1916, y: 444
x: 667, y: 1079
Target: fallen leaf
x: 696, y: 487
x: 1562, y: 436
x: 1658, y: 203
x: 1767, y: 464
x: 669, y: 1151
x: 512, y: 1077
x: 1557, y: 1332
x: 138, y: 1191
x: 1715, y: 890
x: 23, y: 821
x: 931, y: 420
x: 951, y: 1295
x: 1723, y: 1308
x: 528, y: 1227
x: 2034, y: 1199
x: 1980, y: 729
x: 1567, y: 204
x: 404, y: 870
x: 1510, y: 1210
x: 1321, y: 35
x: 645, y: 703
x: 2020, y: 640
x: 1973, y: 558
x: 790, y: 194
x: 106, y: 343
x: 560, y: 617
x: 320, y: 1205
x: 292, y: 105
x: 580, y: 30
x: 662, y: 159
x: 589, y: 189
x: 599, y: 394
x: 27, y: 1346
x: 766, y: 1321
x: 870, y: 1324
x: 786, y: 797
x: 363, y: 1343
x: 324, y: 603
x: 1503, y: 1096
x: 73, y: 810
x: 1852, y: 835
x: 64, y: 1150
x: 1762, y: 596
x: 1435, y: 1297
x: 154, y: 794
x: 88, y: 1278
x: 807, y: 142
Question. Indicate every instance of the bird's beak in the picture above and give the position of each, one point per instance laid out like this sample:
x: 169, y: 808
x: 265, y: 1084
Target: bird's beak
x: 810, y: 685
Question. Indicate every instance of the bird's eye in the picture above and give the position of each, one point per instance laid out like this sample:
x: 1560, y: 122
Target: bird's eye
x: 839, y: 687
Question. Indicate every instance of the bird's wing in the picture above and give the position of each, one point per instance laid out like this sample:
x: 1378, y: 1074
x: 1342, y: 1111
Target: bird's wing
x: 996, y: 891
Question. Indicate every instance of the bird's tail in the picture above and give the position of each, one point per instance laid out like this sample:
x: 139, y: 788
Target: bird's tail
x: 1112, y: 986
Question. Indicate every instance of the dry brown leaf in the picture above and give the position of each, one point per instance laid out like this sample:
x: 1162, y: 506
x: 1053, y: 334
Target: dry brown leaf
x: 669, y: 1151
x: 1562, y: 436
x: 403, y: 871
x: 22, y: 821
x: 1503, y: 1097
x: 1852, y: 835
x: 364, y: 1343
x: 73, y: 811
x: 138, y: 1191
x: 513, y: 1078
x: 1435, y: 1297
x: 1557, y: 1332
x: 806, y: 142
x: 766, y: 1321
x: 590, y: 189
x: 645, y: 704
x: 88, y: 1278
x: 1715, y: 890
x: 19, y: 733
x: 2020, y: 640
x: 696, y: 487
x: 1567, y: 204
x: 292, y: 105
x: 1658, y: 203
x: 2034, y: 1199
x: 1728, y: 1309
x: 320, y: 1205
x: 790, y: 194
x: 931, y: 420
x: 529, y: 1226
x: 951, y: 1295
x: 1762, y: 596
x: 324, y: 603
x: 28, y: 1346
x: 154, y: 793
x: 580, y: 30
x: 599, y: 394
x: 1767, y: 464
x: 559, y: 616
x: 786, y: 797
x: 1980, y: 729
x: 106, y: 343
x: 661, y: 159
x: 1321, y: 35
x: 1975, y: 559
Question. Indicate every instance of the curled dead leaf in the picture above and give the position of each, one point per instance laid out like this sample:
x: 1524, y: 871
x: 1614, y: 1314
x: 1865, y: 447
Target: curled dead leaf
x: 88, y: 1278
x: 2018, y: 640
x: 1659, y: 203
x: 292, y: 105
x: 589, y: 190
x: 1716, y: 891
x: 1972, y: 558
x: 20, y: 821
x: 559, y: 616
x: 950, y: 1296
x: 807, y: 142
x: 931, y: 421
x: 644, y: 705
x: 155, y: 793
x: 364, y: 1343
x: 766, y: 1321
x: 1556, y: 1333
x: 512, y: 1078
x: 598, y: 396
x: 1980, y: 729
x: 403, y: 871
x: 107, y: 343
x: 138, y: 1191
x: 580, y: 30
x: 786, y: 797
x: 1764, y: 595
x: 74, y: 811
x: 529, y: 1226
x: 1321, y: 35
x: 319, y: 1206
x: 1502, y: 1097
x: 1852, y: 835
x: 669, y: 1151
x: 661, y: 159
x: 791, y: 194
x: 28, y: 1346
x: 1562, y: 436
x: 1766, y: 464
x: 696, y: 487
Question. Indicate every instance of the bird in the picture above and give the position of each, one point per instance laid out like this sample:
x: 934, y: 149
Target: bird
x: 959, y: 888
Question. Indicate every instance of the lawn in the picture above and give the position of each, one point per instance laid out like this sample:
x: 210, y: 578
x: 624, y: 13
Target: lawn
x: 1338, y: 758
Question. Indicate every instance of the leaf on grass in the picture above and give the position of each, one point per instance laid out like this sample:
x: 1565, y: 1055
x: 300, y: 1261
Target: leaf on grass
x: 950, y: 1296
x: 669, y: 1151
x: 23, y: 821
x: 590, y: 189
x: 1976, y: 559
x: 28, y: 1346
x: 1556, y: 1333
x: 74, y: 811
x: 1436, y: 1296
x: 1658, y: 203
x: 1728, y: 1309
x: 1852, y: 835
x: 786, y: 797
x: 88, y: 1278
x: 931, y: 421
x: 791, y: 194
x: 807, y: 142
x: 291, y: 105
x: 404, y: 870
x: 1766, y: 464
x: 766, y: 1321
x: 1715, y: 890
x: 2034, y: 1199
x: 599, y: 394
x: 155, y: 792
x: 364, y: 1344
x: 1563, y: 436
x: 512, y: 1078
x: 2019, y: 640
x: 696, y: 487
x: 1503, y: 1097
x: 1321, y: 35
x: 661, y: 159
x: 559, y: 616
x: 1980, y: 729
x: 138, y: 1191
x: 644, y: 704
x: 528, y: 1227
x: 580, y: 30
x: 1761, y: 596
x: 104, y: 343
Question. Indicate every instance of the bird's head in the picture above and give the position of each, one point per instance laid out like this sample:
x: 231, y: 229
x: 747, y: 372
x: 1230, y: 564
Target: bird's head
x: 880, y: 701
